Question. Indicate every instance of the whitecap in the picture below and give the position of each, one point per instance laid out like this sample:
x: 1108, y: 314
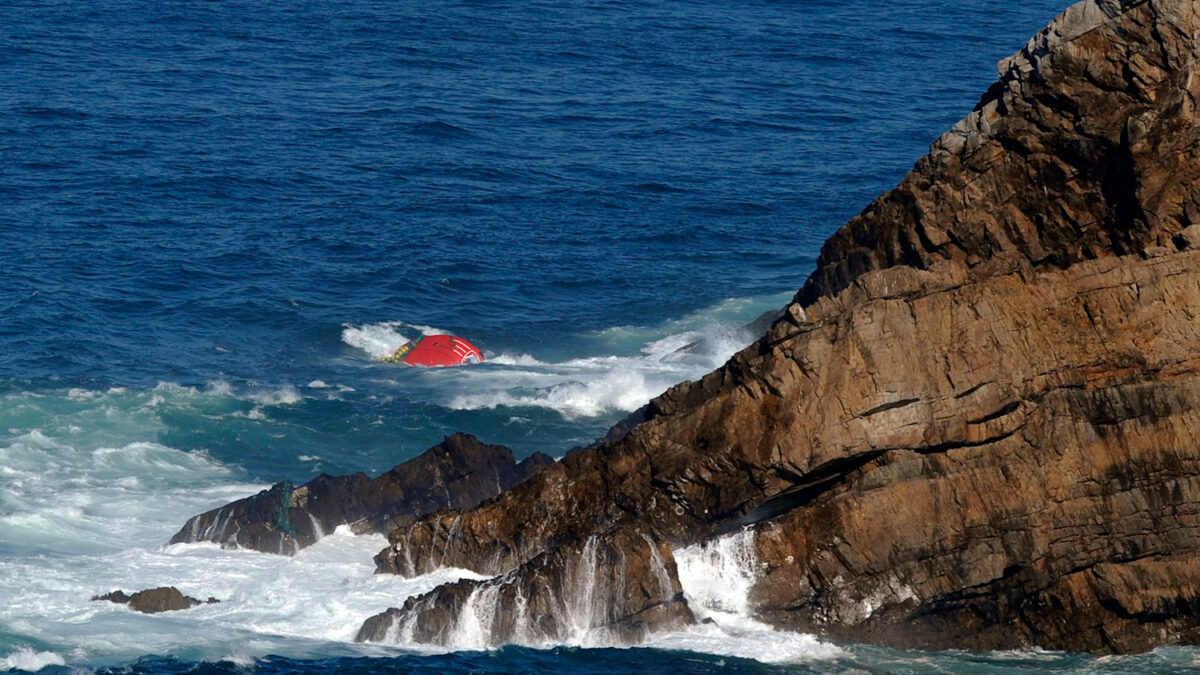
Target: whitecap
x: 381, y: 340
x: 634, y: 364
x: 28, y: 659
x: 285, y: 395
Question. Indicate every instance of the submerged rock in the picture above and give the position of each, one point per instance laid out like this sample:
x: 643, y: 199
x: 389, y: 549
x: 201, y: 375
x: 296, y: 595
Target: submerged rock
x: 155, y: 600
x: 978, y: 423
x: 118, y: 596
x: 458, y: 472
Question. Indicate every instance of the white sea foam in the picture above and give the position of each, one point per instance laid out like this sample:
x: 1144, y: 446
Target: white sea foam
x: 58, y: 497
x: 579, y: 610
x: 285, y: 395
x: 748, y: 639
x: 84, y: 521
x: 598, y: 385
x: 718, y: 574
x: 80, y: 521
x: 214, y: 393
x: 579, y: 388
x: 381, y: 340
x: 516, y: 360
x: 717, y: 577
x: 28, y: 659
x: 618, y: 371
x: 89, y: 493
x: 214, y: 388
x: 107, y: 532
x: 85, y: 508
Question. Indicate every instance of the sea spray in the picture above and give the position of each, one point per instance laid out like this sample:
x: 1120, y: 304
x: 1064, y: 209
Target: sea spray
x: 588, y: 593
x: 601, y: 384
x: 583, y: 597
x: 126, y: 496
x: 658, y: 566
x: 717, y: 577
x: 474, y: 629
x: 381, y: 340
x: 496, y: 611
x: 30, y: 660
x: 613, y: 371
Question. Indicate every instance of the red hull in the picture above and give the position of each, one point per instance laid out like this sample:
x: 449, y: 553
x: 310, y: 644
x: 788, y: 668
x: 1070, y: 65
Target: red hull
x: 442, y: 350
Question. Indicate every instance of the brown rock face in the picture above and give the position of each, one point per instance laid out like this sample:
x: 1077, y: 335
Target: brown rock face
x: 608, y: 589
x: 978, y: 423
x: 165, y: 599
x: 1083, y: 149
x: 459, y: 472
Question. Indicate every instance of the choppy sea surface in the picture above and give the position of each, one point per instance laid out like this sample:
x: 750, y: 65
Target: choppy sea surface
x: 217, y: 216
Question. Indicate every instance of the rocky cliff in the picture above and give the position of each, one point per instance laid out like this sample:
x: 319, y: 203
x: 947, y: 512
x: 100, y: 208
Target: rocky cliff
x: 978, y: 423
x: 459, y: 472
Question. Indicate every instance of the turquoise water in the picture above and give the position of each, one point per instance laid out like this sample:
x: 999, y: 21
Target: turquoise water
x: 218, y: 216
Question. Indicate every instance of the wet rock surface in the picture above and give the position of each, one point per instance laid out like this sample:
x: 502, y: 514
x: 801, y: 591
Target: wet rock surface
x: 607, y: 589
x: 155, y: 600
x: 458, y: 472
x: 978, y: 423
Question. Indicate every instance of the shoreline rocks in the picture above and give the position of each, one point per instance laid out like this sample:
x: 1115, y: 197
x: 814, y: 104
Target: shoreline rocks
x: 608, y: 589
x: 458, y: 472
x: 978, y: 423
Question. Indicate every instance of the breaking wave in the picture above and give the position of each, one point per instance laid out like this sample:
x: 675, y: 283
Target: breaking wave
x: 28, y: 659
x: 717, y: 577
x: 616, y: 370
x: 598, y: 385
x: 381, y: 340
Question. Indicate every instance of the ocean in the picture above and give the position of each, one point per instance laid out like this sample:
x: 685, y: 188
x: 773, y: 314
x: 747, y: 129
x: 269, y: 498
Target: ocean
x: 219, y: 215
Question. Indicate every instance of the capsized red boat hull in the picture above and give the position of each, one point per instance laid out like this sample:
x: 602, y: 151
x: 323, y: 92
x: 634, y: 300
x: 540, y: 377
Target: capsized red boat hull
x: 439, y: 350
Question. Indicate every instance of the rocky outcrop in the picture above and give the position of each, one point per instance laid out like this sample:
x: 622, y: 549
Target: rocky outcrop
x: 1083, y: 149
x: 155, y: 600
x: 607, y: 589
x: 459, y: 472
x: 978, y: 423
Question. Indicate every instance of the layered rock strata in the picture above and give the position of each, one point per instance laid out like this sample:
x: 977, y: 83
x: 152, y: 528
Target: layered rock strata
x: 978, y: 423
x: 459, y: 472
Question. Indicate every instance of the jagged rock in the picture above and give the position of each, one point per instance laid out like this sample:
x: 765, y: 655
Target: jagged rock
x: 608, y: 589
x: 155, y: 600
x: 458, y: 472
x: 1083, y: 149
x: 118, y: 596
x: 978, y: 423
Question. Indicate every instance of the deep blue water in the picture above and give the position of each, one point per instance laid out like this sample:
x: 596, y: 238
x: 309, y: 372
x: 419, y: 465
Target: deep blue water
x: 217, y: 214
x: 211, y: 191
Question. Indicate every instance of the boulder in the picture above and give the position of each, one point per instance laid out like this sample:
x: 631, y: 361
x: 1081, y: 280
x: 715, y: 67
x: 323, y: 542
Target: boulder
x: 458, y: 472
x: 155, y: 600
x: 118, y: 596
